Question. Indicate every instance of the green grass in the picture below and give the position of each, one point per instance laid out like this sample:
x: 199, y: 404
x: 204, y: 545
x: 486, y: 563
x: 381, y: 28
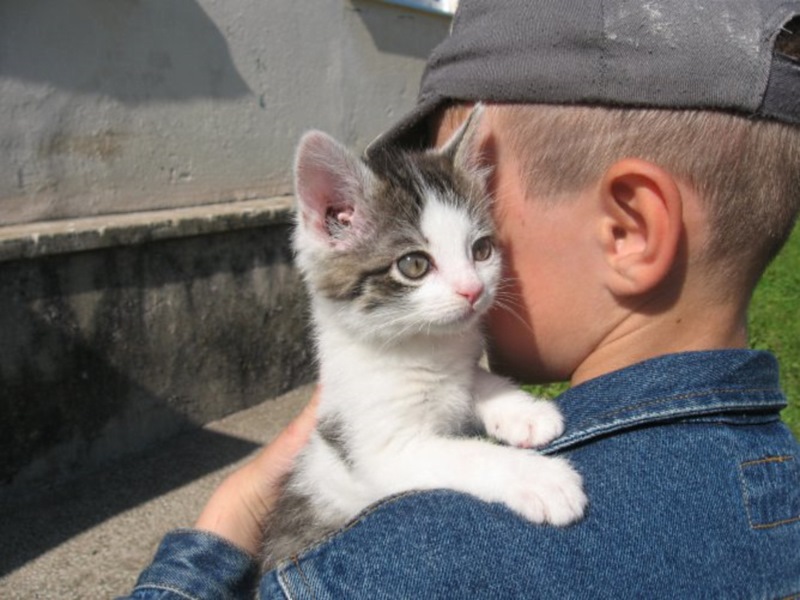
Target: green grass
x: 775, y: 323
x: 774, y: 326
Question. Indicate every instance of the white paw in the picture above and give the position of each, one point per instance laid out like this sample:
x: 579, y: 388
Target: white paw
x: 522, y: 421
x: 545, y: 490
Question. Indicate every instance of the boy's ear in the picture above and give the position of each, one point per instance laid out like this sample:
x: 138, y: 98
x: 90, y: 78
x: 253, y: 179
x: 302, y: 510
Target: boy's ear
x: 642, y: 223
x: 330, y: 184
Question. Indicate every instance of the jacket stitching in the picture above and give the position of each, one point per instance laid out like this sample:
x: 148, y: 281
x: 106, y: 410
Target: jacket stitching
x: 768, y: 459
x: 165, y: 588
x: 306, y: 582
x: 286, y: 586
x: 600, y: 425
x: 722, y: 391
x: 776, y: 523
x: 746, y: 494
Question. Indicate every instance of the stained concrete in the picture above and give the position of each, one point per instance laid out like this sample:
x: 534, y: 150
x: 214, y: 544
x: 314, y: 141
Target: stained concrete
x: 91, y: 537
x: 105, y: 351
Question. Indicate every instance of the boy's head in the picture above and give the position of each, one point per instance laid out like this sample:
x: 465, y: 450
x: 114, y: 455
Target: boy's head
x: 679, y: 119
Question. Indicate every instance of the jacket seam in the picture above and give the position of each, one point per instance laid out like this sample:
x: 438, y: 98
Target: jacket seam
x: 746, y: 493
x: 285, y: 586
x: 603, y: 427
x: 165, y: 588
x: 716, y: 392
x: 769, y: 459
x: 775, y: 524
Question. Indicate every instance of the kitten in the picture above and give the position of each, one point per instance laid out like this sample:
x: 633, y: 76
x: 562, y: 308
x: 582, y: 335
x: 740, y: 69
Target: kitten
x: 398, y: 255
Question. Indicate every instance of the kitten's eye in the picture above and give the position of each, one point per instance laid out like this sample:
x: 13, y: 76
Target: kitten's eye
x: 482, y: 249
x: 414, y: 265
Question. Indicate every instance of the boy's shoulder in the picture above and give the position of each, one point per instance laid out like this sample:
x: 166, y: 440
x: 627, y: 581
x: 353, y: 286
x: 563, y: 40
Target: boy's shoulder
x: 685, y: 462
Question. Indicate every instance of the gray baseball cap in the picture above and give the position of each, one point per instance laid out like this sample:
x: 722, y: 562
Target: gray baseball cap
x: 678, y: 54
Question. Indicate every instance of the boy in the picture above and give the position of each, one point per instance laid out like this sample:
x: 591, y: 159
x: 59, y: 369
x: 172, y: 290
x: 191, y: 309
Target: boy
x: 646, y: 168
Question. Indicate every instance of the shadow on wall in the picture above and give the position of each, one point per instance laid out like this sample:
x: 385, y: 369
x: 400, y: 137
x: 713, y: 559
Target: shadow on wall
x: 67, y: 407
x: 103, y: 353
x: 131, y: 50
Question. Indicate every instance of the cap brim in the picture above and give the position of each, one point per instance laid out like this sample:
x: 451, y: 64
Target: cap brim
x: 410, y: 132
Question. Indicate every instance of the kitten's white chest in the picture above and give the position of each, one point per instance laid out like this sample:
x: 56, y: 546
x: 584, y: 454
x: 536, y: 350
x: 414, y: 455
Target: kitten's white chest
x: 417, y: 386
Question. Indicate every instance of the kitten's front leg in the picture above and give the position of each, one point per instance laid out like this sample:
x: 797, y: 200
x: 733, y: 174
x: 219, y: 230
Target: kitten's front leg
x: 513, y: 416
x: 542, y: 489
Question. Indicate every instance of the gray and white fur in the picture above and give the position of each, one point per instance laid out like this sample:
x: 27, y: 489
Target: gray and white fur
x: 398, y: 255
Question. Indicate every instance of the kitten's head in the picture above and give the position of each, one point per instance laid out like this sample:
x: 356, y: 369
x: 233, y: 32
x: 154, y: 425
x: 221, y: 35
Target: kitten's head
x: 398, y: 243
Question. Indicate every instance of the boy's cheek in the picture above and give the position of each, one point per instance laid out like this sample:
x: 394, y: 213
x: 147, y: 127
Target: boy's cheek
x: 528, y: 355
x: 511, y: 347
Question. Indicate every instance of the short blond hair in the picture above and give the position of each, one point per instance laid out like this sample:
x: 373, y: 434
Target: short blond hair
x: 746, y: 172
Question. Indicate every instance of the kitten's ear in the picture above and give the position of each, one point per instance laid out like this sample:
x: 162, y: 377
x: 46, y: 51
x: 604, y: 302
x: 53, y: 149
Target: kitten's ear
x: 330, y: 184
x: 463, y: 147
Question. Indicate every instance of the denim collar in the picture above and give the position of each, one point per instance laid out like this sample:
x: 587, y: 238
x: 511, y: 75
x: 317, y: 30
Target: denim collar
x: 668, y: 388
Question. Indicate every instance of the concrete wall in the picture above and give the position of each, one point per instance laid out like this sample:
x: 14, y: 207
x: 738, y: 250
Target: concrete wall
x: 146, y: 282
x: 106, y: 351
x: 119, y: 105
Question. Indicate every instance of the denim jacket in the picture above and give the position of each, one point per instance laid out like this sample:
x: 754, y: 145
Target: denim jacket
x: 694, y: 491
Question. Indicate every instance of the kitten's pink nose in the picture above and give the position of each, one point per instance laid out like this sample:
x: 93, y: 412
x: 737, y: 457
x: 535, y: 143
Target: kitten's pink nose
x: 471, y: 292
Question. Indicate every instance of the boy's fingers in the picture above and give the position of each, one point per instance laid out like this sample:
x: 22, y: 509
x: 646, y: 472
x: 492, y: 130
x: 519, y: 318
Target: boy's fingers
x: 239, y: 506
x: 278, y: 456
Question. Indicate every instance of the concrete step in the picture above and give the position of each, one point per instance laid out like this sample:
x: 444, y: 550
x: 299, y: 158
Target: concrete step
x: 119, y: 332
x: 90, y: 538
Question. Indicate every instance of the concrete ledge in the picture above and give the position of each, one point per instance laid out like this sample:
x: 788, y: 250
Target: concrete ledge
x: 33, y: 240
x: 118, y: 333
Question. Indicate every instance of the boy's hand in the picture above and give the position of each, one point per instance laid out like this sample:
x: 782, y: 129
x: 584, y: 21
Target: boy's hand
x: 240, y: 506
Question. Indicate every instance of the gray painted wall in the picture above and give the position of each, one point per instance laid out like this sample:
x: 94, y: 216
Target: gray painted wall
x: 120, y: 105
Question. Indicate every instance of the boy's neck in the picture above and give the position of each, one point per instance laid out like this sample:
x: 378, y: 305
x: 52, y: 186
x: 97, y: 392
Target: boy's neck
x: 638, y: 337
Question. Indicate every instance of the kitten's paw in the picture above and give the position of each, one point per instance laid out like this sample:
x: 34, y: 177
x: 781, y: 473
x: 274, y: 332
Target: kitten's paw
x: 522, y: 421
x: 546, y: 490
